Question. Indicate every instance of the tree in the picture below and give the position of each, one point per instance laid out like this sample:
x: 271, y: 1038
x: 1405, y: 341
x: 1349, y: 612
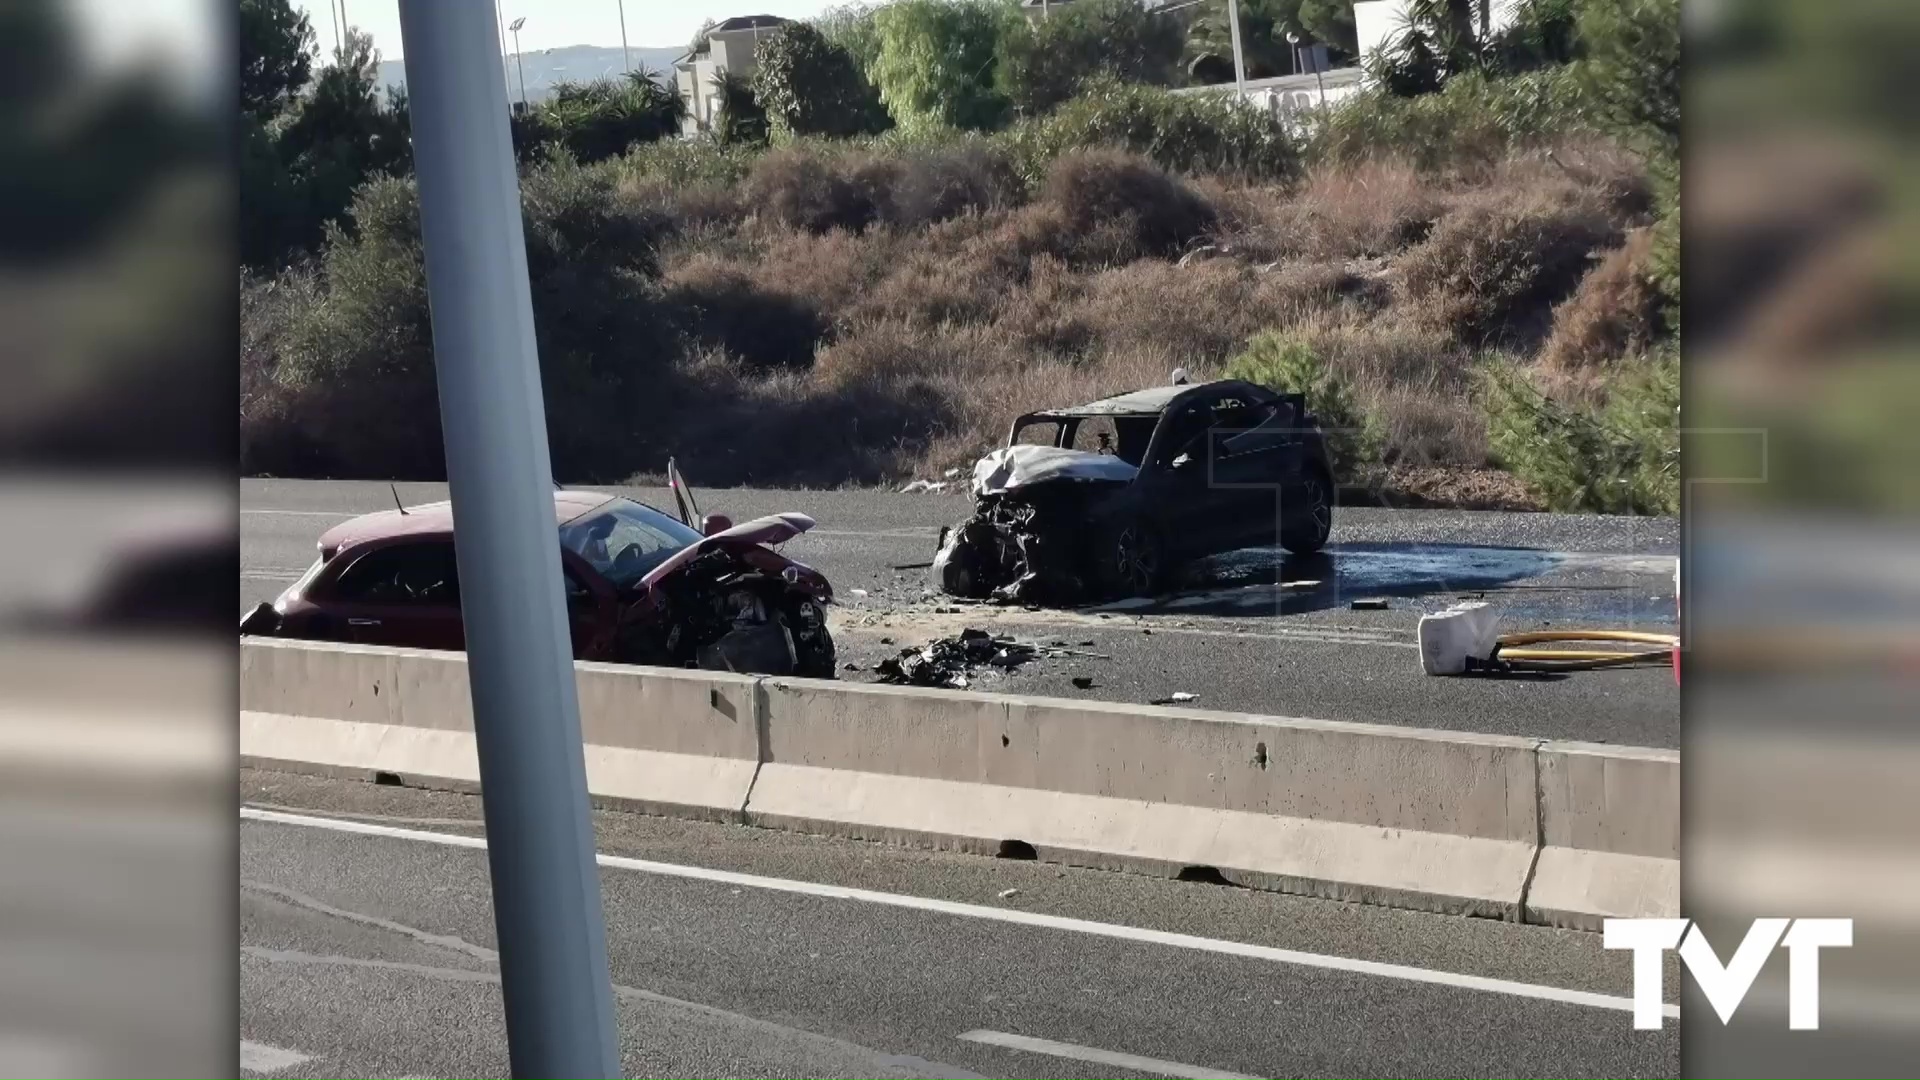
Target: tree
x: 342, y: 134
x: 810, y: 85
x: 276, y: 56
x: 601, y: 118
x: 741, y: 118
x: 851, y: 27
x: 1631, y: 76
x: 1444, y: 38
x: 936, y: 63
x: 1331, y: 22
x: 1045, y: 63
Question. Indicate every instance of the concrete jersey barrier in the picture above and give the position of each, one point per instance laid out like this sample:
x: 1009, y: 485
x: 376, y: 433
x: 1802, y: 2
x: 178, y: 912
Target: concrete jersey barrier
x: 1453, y: 822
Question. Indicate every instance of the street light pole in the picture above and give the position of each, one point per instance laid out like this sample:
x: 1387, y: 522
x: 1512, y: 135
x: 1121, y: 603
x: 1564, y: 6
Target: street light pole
x: 625, y: 57
x: 526, y: 715
x: 1239, y: 61
x: 518, y: 62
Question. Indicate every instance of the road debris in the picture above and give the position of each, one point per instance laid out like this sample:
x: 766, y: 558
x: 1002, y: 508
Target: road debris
x: 858, y: 592
x: 929, y: 486
x: 951, y: 662
x: 1372, y: 604
x: 1178, y: 697
x: 1008, y: 894
x: 1083, y: 682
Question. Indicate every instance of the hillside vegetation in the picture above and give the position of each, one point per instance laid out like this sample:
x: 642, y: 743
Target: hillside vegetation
x: 1476, y: 280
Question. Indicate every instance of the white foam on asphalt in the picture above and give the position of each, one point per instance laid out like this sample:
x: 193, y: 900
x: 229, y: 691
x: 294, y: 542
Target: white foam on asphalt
x: 261, y: 1058
x: 1297, y: 958
x: 1134, y: 1062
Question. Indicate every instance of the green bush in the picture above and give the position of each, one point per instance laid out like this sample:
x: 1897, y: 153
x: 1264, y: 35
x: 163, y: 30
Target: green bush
x: 811, y: 86
x: 600, y: 119
x: 1622, y: 457
x: 1186, y: 133
x: 1474, y: 122
x: 1289, y: 365
x: 358, y: 357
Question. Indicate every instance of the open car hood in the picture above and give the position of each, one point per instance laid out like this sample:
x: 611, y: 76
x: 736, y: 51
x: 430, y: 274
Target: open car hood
x: 1021, y: 466
x: 769, y: 530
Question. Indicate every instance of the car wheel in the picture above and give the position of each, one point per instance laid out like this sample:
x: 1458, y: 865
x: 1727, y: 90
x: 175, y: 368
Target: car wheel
x: 1308, y: 531
x: 1136, y: 562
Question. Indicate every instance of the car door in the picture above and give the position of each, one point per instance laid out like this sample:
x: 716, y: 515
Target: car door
x: 404, y: 594
x: 592, y: 608
x: 1255, y: 456
x: 1177, y: 488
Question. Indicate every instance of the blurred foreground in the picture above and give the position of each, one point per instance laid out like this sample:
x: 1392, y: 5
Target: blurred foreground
x: 116, y: 547
x: 1803, y: 582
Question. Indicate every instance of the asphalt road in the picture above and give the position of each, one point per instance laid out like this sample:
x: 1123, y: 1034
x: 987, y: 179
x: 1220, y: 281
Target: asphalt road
x: 739, y: 952
x: 1254, y: 632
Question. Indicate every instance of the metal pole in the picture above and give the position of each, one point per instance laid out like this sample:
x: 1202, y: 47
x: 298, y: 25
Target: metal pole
x: 546, y: 887
x: 625, y: 57
x: 500, y: 19
x: 1239, y: 61
x: 520, y: 64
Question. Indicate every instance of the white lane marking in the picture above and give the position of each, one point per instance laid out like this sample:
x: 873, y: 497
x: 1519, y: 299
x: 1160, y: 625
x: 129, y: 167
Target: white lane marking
x: 261, y: 1058
x: 1151, y: 1066
x: 1378, y: 969
x: 341, y: 514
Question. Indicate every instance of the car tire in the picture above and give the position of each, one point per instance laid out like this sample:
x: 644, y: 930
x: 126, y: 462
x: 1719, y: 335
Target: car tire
x: 1308, y: 532
x: 1136, y: 560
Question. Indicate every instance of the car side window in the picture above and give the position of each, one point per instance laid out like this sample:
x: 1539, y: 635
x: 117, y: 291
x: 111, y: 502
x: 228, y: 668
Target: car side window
x: 423, y: 573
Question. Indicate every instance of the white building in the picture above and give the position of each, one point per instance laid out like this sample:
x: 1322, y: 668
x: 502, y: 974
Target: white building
x: 732, y: 47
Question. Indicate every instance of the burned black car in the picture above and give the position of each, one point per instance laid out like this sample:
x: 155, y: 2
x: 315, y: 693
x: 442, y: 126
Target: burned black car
x: 1105, y: 499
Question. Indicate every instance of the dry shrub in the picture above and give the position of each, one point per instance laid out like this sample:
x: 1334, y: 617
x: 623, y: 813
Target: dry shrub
x: 1046, y: 315
x: 1195, y: 315
x: 1430, y: 425
x: 830, y: 271
x: 1295, y: 290
x: 928, y: 290
x: 1114, y: 204
x: 938, y: 183
x: 805, y: 188
x: 1361, y: 211
x: 1616, y: 311
x: 719, y: 304
x: 1494, y: 266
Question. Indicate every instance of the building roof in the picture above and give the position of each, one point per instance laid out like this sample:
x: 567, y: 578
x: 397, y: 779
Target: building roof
x: 749, y: 22
x: 738, y: 22
x: 437, y: 519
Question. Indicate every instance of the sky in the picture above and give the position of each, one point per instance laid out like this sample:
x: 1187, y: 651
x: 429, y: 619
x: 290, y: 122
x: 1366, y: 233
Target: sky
x: 554, y: 23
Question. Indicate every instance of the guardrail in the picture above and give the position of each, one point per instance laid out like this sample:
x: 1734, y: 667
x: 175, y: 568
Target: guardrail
x: 1488, y: 825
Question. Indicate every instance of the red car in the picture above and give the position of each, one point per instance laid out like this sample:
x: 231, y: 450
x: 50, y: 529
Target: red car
x: 642, y: 587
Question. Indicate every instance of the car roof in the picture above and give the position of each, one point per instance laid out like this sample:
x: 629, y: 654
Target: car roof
x: 436, y: 519
x: 1151, y: 401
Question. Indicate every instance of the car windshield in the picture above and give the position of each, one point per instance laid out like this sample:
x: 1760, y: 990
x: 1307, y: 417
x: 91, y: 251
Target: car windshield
x: 623, y: 540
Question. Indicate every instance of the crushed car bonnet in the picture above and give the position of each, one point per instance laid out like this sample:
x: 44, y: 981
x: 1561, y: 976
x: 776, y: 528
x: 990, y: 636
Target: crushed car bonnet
x: 772, y: 529
x: 1022, y: 466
